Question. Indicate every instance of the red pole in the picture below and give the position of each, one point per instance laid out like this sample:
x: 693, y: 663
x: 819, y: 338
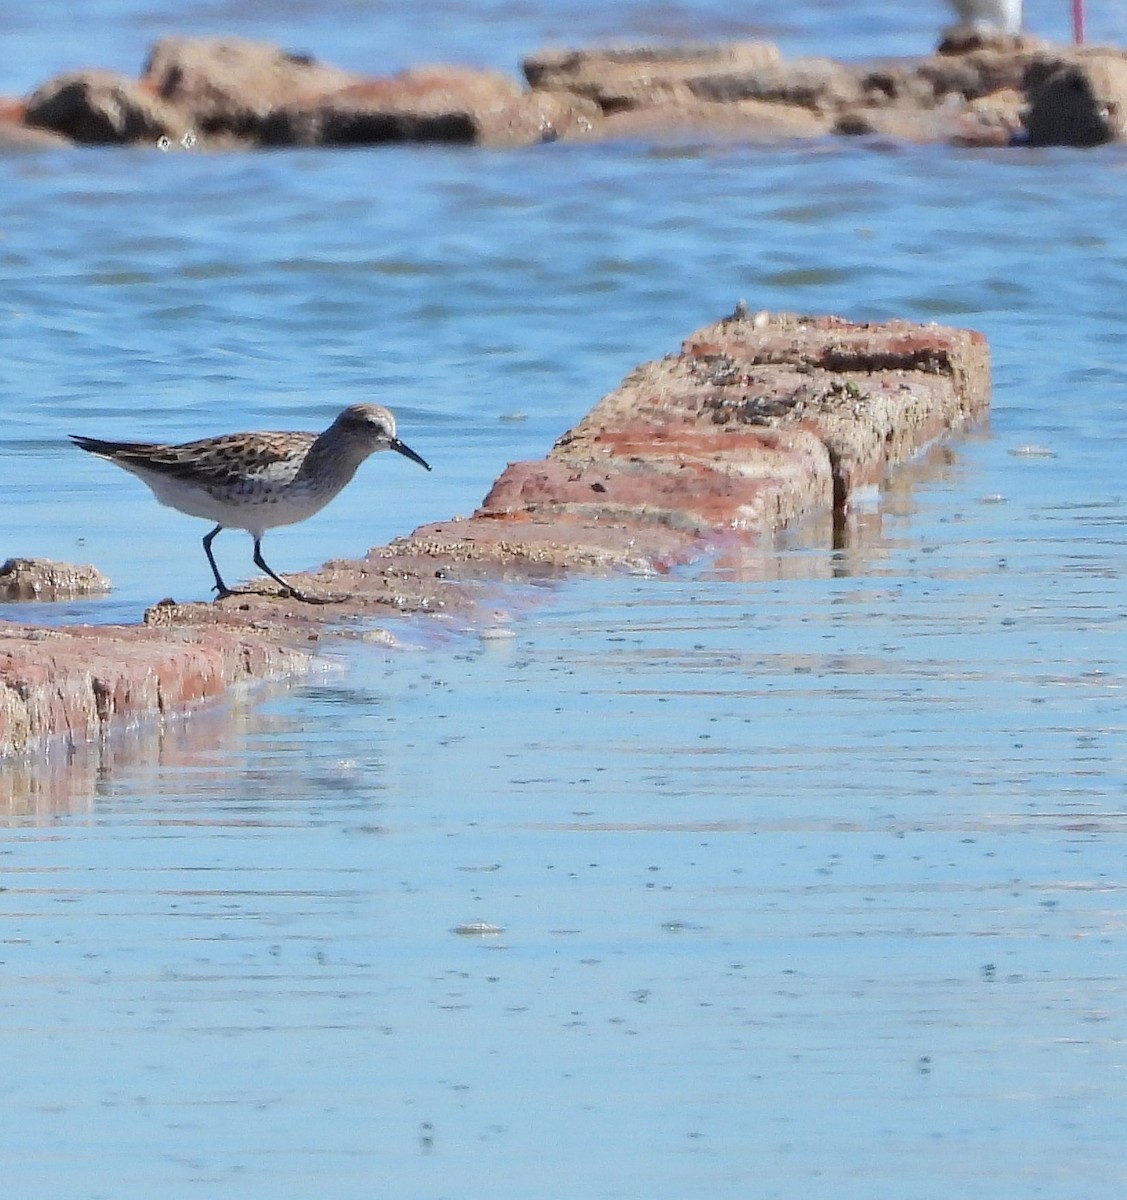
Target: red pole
x: 1078, y: 22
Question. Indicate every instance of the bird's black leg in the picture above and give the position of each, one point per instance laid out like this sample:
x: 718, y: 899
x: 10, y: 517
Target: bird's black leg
x: 220, y: 586
x: 260, y: 562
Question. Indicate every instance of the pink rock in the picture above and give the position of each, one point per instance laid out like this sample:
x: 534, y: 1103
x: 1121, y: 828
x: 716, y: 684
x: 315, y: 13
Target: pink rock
x: 76, y: 683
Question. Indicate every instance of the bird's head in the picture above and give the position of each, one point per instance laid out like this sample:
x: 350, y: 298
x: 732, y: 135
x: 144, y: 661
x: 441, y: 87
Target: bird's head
x: 375, y: 425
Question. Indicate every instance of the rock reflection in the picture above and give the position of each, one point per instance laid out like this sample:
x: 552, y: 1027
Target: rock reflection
x: 67, y: 781
x: 853, y: 542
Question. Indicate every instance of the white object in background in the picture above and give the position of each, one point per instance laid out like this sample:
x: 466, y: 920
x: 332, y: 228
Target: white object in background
x: 990, y: 16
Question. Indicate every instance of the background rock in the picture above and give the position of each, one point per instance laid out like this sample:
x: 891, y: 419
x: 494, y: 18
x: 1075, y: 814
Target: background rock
x: 815, y: 83
x: 1081, y: 103
x: 41, y: 579
x: 444, y: 104
x: 630, y: 77
x: 979, y: 90
x: 229, y: 86
x: 102, y: 107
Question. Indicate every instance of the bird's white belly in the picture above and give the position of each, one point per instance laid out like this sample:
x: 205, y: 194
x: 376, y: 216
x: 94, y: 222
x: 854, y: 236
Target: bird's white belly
x: 252, y: 509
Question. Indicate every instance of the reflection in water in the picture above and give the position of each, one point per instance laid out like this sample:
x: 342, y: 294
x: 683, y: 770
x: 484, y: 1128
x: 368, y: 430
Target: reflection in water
x: 201, y: 753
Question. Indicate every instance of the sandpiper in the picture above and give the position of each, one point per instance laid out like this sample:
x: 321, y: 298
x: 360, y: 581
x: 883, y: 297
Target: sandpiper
x: 255, y: 481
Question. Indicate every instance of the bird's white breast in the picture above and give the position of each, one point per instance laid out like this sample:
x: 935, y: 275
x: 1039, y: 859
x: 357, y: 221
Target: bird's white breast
x: 254, y: 509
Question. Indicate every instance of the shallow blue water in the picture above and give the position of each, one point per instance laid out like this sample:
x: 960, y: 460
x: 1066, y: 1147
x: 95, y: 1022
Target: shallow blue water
x: 806, y: 868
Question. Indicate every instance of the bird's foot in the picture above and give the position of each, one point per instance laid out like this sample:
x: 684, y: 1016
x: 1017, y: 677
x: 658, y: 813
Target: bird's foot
x: 308, y: 597
x: 223, y: 592
x: 289, y: 592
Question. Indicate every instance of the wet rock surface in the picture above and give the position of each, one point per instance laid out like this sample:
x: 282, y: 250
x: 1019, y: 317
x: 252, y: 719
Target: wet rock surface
x: 759, y: 421
x: 977, y: 89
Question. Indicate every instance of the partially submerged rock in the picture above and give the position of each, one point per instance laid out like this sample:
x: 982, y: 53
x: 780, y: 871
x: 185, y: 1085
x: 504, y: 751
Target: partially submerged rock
x: 976, y: 90
x: 16, y: 134
x: 761, y: 420
x: 758, y: 421
x: 42, y: 579
x: 641, y: 76
x: 77, y: 683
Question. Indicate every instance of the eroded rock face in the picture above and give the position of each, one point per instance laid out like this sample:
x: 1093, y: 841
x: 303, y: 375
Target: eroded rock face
x: 642, y: 76
x: 784, y: 414
x: 76, y: 683
x: 16, y: 134
x: 819, y: 84
x: 42, y: 579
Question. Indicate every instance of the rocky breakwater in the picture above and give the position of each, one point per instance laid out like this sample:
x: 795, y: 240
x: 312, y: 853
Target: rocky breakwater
x: 224, y: 92
x: 976, y: 89
x: 759, y: 421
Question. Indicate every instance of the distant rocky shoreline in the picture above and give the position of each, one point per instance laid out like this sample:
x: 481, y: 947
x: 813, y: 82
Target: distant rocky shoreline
x: 225, y: 93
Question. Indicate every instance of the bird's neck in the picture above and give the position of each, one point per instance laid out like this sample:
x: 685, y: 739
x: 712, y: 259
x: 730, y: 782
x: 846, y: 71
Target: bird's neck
x: 332, y: 458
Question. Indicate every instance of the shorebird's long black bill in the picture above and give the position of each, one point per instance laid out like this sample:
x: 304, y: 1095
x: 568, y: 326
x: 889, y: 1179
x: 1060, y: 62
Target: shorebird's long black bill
x: 407, y: 452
